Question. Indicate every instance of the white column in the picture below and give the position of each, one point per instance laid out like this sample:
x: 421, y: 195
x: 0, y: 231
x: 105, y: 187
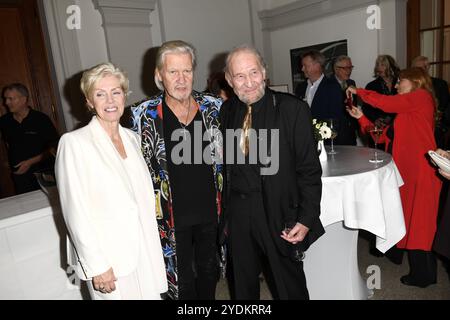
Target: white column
x: 260, y: 35
x: 128, y: 37
x: 392, y: 36
x: 64, y: 52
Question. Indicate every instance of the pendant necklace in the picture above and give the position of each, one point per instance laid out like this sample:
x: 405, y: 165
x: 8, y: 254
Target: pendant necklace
x: 183, y: 126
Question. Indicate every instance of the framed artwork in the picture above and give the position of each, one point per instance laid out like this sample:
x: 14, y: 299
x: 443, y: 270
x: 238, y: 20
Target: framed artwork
x: 331, y: 50
x: 280, y: 87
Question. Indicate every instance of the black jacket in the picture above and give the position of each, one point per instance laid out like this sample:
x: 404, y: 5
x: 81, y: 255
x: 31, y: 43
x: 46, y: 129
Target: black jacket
x: 348, y: 125
x: 440, y: 88
x: 373, y: 113
x: 296, y: 189
x: 328, y: 103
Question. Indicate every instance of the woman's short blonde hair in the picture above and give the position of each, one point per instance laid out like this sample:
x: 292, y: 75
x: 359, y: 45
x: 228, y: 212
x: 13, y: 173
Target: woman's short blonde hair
x: 93, y: 75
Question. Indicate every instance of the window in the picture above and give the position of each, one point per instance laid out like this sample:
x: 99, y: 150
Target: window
x: 429, y: 34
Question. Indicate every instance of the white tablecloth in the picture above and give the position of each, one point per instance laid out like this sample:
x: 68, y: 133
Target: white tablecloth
x: 356, y: 194
x: 363, y: 195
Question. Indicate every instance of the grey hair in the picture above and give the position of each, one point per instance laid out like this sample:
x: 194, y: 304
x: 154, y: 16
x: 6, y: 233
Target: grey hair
x: 393, y: 69
x: 341, y: 58
x: 19, y: 87
x: 244, y: 48
x: 175, y: 46
x: 418, y: 59
x: 316, y: 56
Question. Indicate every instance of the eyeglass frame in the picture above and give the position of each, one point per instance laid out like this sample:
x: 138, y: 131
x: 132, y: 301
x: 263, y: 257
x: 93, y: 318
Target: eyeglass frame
x: 347, y: 68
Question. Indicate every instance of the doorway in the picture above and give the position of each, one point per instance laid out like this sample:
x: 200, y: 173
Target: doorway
x: 23, y: 59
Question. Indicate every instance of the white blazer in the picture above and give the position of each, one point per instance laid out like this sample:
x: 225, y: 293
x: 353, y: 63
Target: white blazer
x: 98, y: 203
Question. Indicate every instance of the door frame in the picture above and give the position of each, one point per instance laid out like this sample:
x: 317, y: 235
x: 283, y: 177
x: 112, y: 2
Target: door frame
x: 64, y: 53
x: 38, y: 64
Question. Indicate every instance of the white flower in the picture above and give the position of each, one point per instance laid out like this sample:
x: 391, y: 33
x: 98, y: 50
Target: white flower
x: 321, y: 130
x: 325, y: 132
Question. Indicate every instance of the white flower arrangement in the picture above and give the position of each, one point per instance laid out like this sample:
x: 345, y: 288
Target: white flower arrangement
x: 321, y: 130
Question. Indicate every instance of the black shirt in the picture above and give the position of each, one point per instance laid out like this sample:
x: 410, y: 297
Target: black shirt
x: 29, y: 138
x: 246, y: 177
x: 191, y: 183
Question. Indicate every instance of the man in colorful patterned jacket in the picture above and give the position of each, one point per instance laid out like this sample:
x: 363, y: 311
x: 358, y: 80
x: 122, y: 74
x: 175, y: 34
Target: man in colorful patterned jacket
x: 181, y: 140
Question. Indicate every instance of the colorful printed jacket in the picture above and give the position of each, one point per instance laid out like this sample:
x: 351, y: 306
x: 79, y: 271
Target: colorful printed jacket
x: 147, y: 122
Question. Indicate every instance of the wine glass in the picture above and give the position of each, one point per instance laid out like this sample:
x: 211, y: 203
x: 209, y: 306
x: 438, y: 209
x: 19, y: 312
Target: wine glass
x: 296, y: 254
x: 376, y: 132
x: 333, y: 124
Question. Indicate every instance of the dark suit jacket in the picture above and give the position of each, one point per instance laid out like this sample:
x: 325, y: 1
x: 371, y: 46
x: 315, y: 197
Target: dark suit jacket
x: 296, y: 189
x: 328, y: 103
x: 348, y: 125
x: 440, y: 88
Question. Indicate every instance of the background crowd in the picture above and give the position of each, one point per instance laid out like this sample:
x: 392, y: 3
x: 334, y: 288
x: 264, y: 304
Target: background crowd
x: 138, y: 234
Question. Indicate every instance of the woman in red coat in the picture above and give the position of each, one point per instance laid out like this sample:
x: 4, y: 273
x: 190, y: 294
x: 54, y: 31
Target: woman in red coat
x: 413, y: 127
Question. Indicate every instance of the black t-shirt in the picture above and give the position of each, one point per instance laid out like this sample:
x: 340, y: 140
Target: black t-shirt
x: 29, y: 138
x: 191, y: 183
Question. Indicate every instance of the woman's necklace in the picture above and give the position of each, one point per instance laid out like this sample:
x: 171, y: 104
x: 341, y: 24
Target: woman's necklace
x: 388, y: 85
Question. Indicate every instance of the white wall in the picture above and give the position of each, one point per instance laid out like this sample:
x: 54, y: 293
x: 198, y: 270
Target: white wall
x: 270, y: 4
x: 186, y: 20
x: 362, y: 44
x: 392, y: 35
x: 212, y: 26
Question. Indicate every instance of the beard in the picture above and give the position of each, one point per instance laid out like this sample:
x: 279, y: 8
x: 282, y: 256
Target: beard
x: 180, y: 95
x: 250, y: 99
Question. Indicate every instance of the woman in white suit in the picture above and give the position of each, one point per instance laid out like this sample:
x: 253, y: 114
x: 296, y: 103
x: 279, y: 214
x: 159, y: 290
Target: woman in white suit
x: 107, y: 197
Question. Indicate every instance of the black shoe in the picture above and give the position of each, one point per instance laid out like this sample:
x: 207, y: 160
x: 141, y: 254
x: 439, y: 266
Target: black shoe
x: 395, y: 255
x: 408, y: 280
x: 376, y: 253
x: 395, y: 259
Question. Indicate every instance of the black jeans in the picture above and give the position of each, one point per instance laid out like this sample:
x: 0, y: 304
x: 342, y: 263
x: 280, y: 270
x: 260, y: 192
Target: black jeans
x: 197, y: 248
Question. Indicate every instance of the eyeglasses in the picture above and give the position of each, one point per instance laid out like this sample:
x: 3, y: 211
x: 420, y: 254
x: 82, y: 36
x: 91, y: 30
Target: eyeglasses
x: 346, y: 68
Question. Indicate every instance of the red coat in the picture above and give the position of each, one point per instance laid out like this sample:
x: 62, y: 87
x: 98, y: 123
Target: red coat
x: 413, y: 137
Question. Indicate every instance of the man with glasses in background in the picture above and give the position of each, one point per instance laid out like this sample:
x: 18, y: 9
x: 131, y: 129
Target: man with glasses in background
x: 343, y: 68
